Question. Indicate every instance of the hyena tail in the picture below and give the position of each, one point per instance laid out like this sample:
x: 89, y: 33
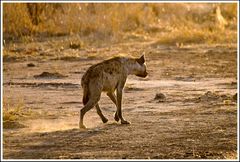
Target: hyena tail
x: 85, y: 95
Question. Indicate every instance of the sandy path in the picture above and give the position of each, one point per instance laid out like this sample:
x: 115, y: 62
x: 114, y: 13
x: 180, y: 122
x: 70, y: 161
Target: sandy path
x: 190, y: 123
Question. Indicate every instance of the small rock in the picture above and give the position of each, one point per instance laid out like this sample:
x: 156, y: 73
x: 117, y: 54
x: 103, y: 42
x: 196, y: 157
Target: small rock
x: 233, y: 83
x: 160, y: 97
x: 235, y: 97
x: 31, y: 65
x: 75, y: 45
x: 209, y: 96
x: 50, y: 75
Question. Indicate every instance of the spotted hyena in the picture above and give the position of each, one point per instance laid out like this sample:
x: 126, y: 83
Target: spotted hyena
x: 109, y: 76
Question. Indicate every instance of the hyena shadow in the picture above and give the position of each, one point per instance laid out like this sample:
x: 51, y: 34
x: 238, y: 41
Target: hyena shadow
x: 105, y: 127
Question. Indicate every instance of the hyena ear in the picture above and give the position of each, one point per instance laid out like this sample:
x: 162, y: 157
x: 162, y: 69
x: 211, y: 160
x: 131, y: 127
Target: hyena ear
x: 141, y: 60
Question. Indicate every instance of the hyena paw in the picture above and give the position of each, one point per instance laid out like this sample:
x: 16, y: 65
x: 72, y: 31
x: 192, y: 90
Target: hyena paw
x: 116, y: 117
x: 81, y: 126
x: 104, y: 120
x: 124, y: 122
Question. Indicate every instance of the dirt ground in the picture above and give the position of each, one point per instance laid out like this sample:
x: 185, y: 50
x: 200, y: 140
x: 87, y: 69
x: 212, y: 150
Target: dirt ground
x: 193, y: 117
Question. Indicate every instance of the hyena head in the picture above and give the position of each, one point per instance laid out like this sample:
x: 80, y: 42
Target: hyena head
x: 139, y: 69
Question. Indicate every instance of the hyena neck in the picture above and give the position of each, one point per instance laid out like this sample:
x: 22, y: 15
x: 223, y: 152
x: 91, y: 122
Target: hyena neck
x: 130, y: 66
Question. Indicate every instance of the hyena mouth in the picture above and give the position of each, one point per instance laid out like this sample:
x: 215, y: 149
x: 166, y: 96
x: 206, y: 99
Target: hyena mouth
x: 142, y: 75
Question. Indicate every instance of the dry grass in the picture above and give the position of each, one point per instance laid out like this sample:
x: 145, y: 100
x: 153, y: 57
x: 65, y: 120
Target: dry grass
x: 195, y: 23
x: 193, y: 36
x: 14, y: 113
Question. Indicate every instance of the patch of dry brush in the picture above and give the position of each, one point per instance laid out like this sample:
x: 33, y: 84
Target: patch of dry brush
x: 175, y: 23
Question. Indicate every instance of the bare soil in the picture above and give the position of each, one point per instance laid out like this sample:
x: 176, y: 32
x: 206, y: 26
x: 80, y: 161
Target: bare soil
x: 195, y: 116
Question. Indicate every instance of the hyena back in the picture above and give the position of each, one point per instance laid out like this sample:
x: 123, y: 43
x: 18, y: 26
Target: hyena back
x: 109, y: 76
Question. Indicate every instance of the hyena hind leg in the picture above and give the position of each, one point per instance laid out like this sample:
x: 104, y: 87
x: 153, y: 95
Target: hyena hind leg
x: 90, y: 104
x: 99, y: 112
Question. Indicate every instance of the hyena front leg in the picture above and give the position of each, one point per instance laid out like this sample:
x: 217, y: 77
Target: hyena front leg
x: 119, y: 106
x: 112, y: 96
x: 104, y: 119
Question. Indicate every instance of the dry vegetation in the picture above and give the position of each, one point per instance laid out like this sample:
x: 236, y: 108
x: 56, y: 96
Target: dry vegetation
x: 12, y: 113
x: 173, y: 23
